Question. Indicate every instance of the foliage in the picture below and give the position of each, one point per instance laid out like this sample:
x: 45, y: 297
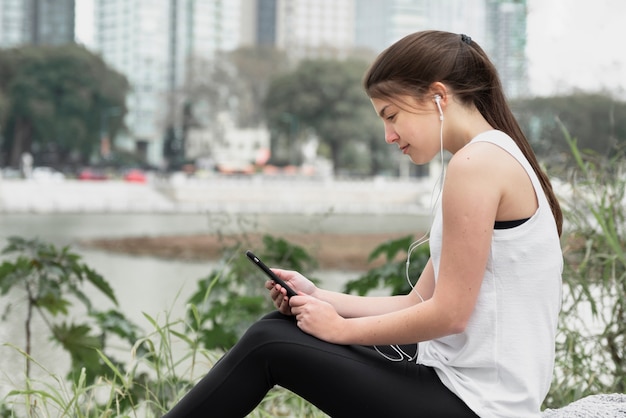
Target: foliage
x: 57, y: 101
x: 235, y: 82
x: 176, y: 352
x: 598, y: 119
x: 49, y: 281
x: 255, y: 67
x: 392, y: 275
x: 591, y: 346
x: 232, y: 297
x: 53, y: 397
x: 325, y: 97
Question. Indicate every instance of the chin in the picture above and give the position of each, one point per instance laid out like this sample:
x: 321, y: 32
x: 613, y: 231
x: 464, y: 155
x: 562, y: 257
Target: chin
x: 419, y: 161
x: 422, y: 158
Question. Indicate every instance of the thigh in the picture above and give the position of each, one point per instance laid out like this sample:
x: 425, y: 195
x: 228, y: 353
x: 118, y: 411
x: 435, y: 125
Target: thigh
x: 349, y: 381
x: 341, y: 380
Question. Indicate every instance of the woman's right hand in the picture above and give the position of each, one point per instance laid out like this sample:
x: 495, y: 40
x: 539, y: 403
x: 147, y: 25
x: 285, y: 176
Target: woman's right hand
x: 296, y: 281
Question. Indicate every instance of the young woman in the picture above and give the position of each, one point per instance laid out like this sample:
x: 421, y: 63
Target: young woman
x: 484, y: 310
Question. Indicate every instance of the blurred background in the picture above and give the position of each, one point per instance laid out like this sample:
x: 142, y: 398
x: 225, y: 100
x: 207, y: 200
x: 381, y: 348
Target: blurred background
x: 154, y: 118
x: 93, y: 89
x: 178, y: 118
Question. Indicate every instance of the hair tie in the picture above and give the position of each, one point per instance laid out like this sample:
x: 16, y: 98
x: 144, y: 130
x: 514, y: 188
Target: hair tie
x: 466, y: 39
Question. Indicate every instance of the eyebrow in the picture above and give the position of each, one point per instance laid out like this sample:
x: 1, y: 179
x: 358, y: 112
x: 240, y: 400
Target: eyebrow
x: 382, y: 111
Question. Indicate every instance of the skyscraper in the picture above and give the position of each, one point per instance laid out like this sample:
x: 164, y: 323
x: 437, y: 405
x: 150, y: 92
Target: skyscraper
x: 499, y: 26
x: 12, y: 23
x: 379, y: 23
x: 315, y: 28
x: 304, y: 28
x: 40, y: 22
x: 155, y: 44
x: 133, y: 38
x: 506, y: 43
x: 160, y: 45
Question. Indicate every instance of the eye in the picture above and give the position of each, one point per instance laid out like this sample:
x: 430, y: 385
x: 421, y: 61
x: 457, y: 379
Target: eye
x: 391, y: 117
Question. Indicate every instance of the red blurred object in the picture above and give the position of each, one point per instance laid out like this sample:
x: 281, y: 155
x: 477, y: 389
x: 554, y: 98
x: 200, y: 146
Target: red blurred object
x: 90, y: 174
x: 135, y: 176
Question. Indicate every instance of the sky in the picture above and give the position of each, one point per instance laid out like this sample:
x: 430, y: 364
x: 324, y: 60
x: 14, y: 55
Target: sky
x: 571, y: 44
x: 576, y: 44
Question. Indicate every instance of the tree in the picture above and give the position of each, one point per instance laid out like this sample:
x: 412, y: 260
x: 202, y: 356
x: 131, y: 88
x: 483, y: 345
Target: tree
x: 326, y: 97
x: 58, y: 99
x: 598, y: 120
x: 235, y: 81
x: 255, y: 67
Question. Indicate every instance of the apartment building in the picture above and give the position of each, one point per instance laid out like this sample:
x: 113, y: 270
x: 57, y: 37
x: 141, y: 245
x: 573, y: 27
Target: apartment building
x: 40, y: 22
x: 160, y: 45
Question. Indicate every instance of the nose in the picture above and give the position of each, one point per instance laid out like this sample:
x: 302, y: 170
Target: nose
x: 390, y: 134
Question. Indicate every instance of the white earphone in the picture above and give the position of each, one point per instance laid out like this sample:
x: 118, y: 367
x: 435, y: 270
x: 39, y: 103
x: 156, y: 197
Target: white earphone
x: 438, y: 102
x: 402, y: 355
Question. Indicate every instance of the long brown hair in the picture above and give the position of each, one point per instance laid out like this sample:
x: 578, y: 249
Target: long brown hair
x: 411, y: 65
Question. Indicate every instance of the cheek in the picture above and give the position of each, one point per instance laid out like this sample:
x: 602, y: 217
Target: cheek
x: 424, y: 146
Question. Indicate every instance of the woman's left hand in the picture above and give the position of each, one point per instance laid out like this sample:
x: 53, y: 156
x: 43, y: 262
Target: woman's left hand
x: 318, y: 318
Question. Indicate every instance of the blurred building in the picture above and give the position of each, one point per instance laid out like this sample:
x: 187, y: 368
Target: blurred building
x: 302, y: 28
x: 506, y: 43
x: 156, y: 45
x: 315, y: 28
x: 381, y: 23
x: 132, y: 38
x: 165, y: 46
x: 40, y: 22
x: 499, y: 26
x: 310, y: 28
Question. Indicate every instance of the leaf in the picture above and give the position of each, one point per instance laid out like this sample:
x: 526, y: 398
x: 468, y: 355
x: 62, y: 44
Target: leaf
x: 82, y: 346
x: 391, y: 248
x: 115, y: 322
x: 53, y: 303
x: 98, y: 281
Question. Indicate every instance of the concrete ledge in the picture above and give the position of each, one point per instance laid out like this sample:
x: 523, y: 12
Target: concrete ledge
x: 234, y: 195
x: 595, y: 406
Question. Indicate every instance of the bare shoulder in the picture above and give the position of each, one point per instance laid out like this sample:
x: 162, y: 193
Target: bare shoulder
x: 481, y: 159
x: 487, y: 170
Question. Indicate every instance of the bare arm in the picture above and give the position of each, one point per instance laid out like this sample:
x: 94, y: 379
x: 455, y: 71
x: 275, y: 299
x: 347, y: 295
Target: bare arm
x: 470, y: 202
x: 351, y: 306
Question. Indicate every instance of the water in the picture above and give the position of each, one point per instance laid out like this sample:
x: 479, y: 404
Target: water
x: 164, y: 284
x: 147, y: 284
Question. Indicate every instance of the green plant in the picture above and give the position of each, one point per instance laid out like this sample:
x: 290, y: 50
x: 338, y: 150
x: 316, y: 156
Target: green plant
x: 230, y: 298
x: 166, y: 362
x: 591, y: 345
x: 50, y: 281
x: 391, y: 275
x: 49, y: 278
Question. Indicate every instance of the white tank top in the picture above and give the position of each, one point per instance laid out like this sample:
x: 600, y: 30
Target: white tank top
x: 502, y: 364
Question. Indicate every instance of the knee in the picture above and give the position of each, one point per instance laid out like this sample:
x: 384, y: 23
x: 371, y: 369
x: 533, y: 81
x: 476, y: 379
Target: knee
x: 272, y: 327
x: 276, y: 315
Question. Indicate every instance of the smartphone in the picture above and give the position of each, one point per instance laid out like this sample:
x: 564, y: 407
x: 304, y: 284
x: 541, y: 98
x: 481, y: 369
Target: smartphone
x: 270, y: 273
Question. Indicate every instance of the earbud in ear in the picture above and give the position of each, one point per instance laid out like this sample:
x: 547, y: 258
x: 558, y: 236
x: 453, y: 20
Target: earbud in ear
x: 438, y: 102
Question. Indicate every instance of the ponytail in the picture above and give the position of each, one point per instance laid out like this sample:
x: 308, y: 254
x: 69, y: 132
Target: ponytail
x: 412, y: 64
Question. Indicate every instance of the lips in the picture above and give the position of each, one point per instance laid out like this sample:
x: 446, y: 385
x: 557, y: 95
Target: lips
x: 404, y: 149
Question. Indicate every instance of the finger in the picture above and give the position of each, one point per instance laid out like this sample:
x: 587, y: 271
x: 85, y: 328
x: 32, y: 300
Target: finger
x: 274, y: 292
x: 297, y: 300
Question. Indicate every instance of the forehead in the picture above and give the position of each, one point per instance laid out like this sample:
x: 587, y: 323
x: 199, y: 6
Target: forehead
x: 381, y: 105
x: 386, y: 104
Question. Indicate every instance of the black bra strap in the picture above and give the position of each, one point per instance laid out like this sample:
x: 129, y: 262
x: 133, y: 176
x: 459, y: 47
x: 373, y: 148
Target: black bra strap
x: 509, y: 224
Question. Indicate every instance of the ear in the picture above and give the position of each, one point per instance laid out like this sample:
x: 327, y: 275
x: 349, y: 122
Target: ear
x: 440, y: 89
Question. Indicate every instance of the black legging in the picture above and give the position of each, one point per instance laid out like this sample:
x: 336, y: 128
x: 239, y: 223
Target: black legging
x: 342, y: 381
